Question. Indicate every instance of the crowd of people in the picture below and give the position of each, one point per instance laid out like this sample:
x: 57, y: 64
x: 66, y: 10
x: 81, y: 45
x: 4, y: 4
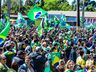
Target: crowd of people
x: 58, y: 50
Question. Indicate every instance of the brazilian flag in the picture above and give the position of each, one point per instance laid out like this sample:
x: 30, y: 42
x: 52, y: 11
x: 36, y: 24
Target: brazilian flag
x: 36, y: 12
x: 4, y: 32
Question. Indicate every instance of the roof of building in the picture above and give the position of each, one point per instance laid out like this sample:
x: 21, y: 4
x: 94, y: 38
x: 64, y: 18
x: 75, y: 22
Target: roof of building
x: 66, y: 13
x: 73, y: 13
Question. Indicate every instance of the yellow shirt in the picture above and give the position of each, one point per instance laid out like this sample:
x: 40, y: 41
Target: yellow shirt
x: 80, y: 61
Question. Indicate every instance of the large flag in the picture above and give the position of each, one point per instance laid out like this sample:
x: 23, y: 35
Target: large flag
x: 40, y: 29
x: 36, y: 12
x: 56, y: 20
x: 50, y: 24
x: 56, y: 60
x: 4, y: 33
x: 46, y: 25
x: 62, y: 21
x: 1, y: 26
x: 55, y: 57
x: 20, y: 21
x: 67, y: 26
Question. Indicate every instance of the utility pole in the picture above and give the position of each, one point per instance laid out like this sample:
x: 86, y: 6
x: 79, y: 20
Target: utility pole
x: 0, y: 9
x: 78, y: 14
x: 83, y: 19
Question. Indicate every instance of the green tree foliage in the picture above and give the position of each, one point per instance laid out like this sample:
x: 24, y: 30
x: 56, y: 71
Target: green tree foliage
x: 48, y: 5
x: 57, y: 5
x: 89, y: 5
x: 74, y: 5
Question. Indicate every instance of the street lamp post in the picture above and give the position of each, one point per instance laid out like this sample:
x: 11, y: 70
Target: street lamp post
x: 78, y: 14
x: 0, y: 9
x: 83, y: 14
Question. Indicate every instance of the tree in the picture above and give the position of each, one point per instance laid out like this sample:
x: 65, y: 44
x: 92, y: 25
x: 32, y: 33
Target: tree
x: 74, y: 5
x: 17, y: 5
x: 57, y: 5
x: 89, y: 5
x: 66, y: 7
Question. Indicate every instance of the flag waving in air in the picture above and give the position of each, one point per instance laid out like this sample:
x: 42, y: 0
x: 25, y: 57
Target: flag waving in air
x: 36, y: 12
x: 4, y: 32
x: 40, y: 29
x: 63, y: 21
x: 20, y: 22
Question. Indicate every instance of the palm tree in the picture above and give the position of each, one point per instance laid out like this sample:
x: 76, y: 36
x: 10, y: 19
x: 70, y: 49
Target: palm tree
x: 9, y: 7
x: 74, y: 5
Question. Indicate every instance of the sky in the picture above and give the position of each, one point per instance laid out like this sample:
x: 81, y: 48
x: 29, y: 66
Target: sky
x: 70, y: 1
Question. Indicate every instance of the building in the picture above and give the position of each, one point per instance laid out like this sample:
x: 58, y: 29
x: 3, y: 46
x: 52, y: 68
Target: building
x: 71, y: 16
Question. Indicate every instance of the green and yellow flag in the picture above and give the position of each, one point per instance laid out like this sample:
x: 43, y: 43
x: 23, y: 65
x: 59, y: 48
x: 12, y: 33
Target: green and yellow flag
x: 40, y: 29
x: 56, y: 60
x: 36, y: 12
x: 5, y: 31
x: 55, y: 57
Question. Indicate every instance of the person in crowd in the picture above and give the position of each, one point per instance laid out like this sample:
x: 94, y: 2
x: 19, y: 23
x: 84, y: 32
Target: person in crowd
x: 90, y: 66
x: 3, y: 66
x: 26, y: 51
x: 18, y: 60
x: 73, y: 54
x: 27, y: 66
x: 80, y: 59
x: 39, y: 59
x: 60, y: 67
x: 1, y: 50
x: 9, y: 53
x: 71, y: 66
